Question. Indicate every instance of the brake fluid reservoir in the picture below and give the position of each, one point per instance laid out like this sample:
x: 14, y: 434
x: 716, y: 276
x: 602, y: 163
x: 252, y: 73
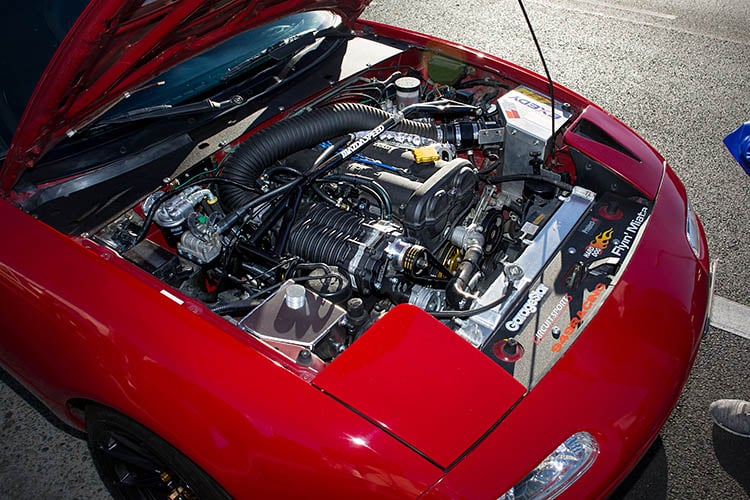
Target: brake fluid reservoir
x: 407, y: 91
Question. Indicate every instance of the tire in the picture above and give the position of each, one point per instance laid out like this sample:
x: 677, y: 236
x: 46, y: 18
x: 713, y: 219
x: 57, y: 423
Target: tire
x: 136, y: 464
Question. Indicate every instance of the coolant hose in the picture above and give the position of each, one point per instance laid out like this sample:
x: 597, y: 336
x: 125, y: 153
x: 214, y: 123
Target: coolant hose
x: 288, y: 136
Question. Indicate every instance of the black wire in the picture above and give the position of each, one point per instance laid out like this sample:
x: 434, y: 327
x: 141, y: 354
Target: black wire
x: 546, y: 71
x: 244, y: 305
x: 323, y: 195
x: 372, y: 187
x: 527, y: 177
x: 300, y: 279
x: 237, y: 214
x: 288, y: 222
x: 339, y: 277
x: 270, y: 219
x: 282, y: 169
x: 467, y: 313
x: 481, y: 81
x: 275, y: 287
x: 345, y: 285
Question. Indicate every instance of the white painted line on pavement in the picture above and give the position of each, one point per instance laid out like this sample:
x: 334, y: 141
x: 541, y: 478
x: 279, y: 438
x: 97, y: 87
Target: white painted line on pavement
x: 731, y: 317
x: 633, y: 10
x: 566, y: 6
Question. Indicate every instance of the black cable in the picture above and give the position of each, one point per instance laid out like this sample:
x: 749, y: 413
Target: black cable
x: 223, y: 308
x: 546, y: 71
x: 237, y: 214
x: 288, y: 222
x: 481, y: 81
x: 467, y: 313
x: 527, y: 177
x: 339, y: 277
x: 381, y: 204
x: 375, y: 189
x: 282, y: 169
x: 324, y: 196
x: 244, y: 305
x: 344, y: 284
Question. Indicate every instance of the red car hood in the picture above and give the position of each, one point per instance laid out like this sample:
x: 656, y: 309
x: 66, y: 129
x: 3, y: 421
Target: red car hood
x: 115, y: 46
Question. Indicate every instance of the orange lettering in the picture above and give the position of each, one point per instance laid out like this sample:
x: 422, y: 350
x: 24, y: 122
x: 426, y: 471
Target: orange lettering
x: 576, y: 320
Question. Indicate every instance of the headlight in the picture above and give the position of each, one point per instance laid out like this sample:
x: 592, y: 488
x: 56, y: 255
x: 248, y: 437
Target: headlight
x: 692, y: 231
x: 558, y: 471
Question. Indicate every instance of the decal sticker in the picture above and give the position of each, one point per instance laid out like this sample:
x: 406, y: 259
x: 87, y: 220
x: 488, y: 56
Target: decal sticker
x: 589, y: 228
x: 512, y: 113
x: 530, y: 307
x: 622, y: 247
x: 534, y: 95
x: 536, y: 102
x: 552, y: 318
x: 577, y: 320
x: 598, y: 244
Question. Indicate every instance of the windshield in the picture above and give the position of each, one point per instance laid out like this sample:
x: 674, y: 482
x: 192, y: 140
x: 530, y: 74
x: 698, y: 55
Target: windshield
x: 203, y: 72
x: 30, y: 31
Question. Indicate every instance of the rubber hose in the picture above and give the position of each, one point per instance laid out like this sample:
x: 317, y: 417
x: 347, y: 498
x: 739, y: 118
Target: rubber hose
x: 283, y: 138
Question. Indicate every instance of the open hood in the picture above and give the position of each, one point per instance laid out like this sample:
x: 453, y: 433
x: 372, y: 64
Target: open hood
x: 116, y: 46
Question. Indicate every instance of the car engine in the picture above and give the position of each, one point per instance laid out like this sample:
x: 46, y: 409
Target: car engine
x: 390, y: 189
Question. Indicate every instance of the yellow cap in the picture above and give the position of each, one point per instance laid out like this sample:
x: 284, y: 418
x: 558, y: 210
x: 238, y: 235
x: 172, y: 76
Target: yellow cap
x: 425, y: 154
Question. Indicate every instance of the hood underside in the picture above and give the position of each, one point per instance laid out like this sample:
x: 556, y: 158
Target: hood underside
x: 116, y: 46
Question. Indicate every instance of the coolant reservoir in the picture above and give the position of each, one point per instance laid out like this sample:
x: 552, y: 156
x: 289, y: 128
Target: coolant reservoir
x: 295, y: 297
x: 297, y: 316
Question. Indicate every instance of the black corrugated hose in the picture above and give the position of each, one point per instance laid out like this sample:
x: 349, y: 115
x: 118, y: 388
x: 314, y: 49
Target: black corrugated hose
x: 288, y: 136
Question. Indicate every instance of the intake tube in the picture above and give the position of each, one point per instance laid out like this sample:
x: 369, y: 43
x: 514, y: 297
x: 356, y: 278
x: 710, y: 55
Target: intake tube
x: 471, y: 240
x: 288, y: 136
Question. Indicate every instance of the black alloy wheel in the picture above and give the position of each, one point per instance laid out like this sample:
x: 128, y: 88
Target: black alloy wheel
x: 136, y: 464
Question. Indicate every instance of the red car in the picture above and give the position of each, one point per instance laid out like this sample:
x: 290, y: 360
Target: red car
x: 264, y: 249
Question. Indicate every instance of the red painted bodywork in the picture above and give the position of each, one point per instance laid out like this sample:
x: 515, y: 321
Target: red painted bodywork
x: 409, y: 368
x: 619, y: 381
x: 645, y: 173
x: 81, y: 324
x: 89, y: 325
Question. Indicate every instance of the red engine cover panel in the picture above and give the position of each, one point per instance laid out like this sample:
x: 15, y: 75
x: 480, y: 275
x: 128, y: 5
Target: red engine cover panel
x: 422, y: 383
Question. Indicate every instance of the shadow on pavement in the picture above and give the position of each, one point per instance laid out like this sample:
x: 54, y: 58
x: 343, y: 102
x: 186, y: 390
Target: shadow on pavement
x: 27, y: 396
x: 648, y: 480
x: 733, y: 453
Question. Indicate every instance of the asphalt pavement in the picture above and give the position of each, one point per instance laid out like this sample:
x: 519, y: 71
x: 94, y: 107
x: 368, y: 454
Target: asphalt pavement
x: 677, y: 71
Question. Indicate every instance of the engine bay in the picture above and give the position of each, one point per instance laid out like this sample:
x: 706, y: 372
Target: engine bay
x: 436, y: 185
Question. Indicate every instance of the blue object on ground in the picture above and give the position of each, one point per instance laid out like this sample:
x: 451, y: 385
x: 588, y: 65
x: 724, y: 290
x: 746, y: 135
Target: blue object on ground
x: 738, y: 143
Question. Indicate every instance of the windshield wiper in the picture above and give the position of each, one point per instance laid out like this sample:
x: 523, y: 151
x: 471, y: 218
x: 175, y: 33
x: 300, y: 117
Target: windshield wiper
x: 285, y: 49
x: 163, y: 110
